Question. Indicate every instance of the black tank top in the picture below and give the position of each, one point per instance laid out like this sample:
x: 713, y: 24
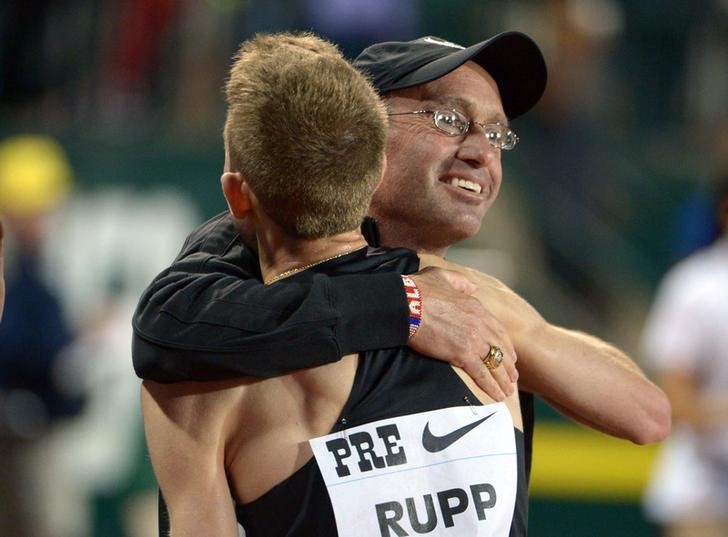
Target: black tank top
x: 388, y: 383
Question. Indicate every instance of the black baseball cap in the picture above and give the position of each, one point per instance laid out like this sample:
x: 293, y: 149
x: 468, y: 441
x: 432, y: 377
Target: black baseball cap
x: 513, y: 60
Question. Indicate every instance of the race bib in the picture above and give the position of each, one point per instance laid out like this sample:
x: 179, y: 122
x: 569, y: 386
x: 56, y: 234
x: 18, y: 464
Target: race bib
x: 448, y: 472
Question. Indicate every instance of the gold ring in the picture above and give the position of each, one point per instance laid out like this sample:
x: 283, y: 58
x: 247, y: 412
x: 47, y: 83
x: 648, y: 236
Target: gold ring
x: 494, y: 358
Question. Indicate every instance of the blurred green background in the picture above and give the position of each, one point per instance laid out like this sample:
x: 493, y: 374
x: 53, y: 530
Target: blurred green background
x: 606, y: 190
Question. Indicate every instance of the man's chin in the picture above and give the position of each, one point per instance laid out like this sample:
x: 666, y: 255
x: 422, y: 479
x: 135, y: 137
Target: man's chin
x: 465, y: 228
x: 452, y: 235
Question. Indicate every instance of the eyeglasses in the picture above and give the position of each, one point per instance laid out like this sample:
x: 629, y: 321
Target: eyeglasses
x: 455, y: 123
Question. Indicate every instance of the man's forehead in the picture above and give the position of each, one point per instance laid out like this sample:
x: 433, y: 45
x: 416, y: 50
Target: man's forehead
x: 469, y: 88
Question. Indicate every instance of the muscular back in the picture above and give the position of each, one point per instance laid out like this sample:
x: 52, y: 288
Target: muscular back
x: 258, y: 429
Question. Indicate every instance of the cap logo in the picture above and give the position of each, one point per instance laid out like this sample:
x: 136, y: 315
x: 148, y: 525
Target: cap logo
x: 438, y: 41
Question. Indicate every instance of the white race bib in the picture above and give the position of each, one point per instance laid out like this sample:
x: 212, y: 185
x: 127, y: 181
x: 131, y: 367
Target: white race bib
x: 448, y: 472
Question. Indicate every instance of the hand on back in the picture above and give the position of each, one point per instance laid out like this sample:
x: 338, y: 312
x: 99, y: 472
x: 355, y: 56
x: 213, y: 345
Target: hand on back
x: 456, y: 328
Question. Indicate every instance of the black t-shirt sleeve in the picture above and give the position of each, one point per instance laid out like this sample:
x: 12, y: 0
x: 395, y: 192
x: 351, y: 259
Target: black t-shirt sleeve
x: 208, y: 316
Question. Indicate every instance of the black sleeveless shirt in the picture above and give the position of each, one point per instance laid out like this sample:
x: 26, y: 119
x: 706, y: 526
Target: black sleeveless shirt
x: 388, y: 383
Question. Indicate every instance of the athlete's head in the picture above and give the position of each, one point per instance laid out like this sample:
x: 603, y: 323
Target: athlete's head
x: 305, y: 131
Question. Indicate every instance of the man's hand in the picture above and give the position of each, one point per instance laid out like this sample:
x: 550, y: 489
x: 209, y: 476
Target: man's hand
x: 2, y: 273
x: 456, y: 328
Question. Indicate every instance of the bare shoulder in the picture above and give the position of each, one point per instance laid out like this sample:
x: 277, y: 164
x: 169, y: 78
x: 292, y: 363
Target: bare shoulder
x: 499, y: 299
x: 480, y: 278
x: 195, y: 407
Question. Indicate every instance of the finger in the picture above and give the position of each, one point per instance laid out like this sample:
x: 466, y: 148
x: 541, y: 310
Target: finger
x: 484, y: 379
x: 505, y: 374
x: 495, y: 334
x: 501, y: 376
x: 509, y: 361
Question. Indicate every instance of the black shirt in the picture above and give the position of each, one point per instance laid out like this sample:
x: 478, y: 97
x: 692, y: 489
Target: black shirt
x: 209, y: 316
x: 389, y: 383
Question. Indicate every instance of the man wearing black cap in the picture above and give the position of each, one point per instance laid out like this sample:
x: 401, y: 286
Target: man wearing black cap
x: 398, y: 443
x: 442, y: 180
x: 209, y: 317
x: 206, y: 317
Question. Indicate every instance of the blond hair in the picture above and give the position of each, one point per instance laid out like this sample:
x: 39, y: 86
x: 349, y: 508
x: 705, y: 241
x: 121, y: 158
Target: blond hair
x: 306, y: 130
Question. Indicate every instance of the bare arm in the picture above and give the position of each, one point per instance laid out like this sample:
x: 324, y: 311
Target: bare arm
x: 594, y: 383
x: 186, y: 444
x: 582, y: 376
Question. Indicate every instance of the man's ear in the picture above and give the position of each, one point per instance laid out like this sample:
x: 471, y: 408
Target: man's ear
x: 237, y: 194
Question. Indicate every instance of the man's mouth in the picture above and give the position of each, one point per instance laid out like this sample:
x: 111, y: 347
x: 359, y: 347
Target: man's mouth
x: 466, y: 185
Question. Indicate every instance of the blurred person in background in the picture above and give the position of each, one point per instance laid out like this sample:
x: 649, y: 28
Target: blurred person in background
x: 2, y: 270
x: 686, y: 343
x: 35, y: 178
x: 72, y: 285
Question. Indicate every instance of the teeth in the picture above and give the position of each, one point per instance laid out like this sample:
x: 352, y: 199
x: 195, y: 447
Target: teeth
x: 467, y: 185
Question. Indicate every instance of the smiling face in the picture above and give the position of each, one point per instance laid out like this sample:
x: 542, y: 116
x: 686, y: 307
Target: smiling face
x: 437, y: 188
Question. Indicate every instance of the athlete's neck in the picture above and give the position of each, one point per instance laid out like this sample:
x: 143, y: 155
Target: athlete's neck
x: 281, y: 255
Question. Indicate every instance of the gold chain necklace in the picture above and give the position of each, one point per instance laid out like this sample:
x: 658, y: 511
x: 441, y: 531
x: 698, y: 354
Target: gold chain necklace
x: 305, y: 267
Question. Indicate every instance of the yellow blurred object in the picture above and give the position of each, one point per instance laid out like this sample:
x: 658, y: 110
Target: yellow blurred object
x: 571, y: 462
x: 35, y: 174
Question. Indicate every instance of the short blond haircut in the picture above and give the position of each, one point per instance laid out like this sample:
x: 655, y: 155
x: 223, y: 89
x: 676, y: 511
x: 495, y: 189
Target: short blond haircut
x: 306, y: 130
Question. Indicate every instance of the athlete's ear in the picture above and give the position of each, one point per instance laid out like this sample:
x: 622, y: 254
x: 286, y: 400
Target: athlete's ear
x: 237, y: 193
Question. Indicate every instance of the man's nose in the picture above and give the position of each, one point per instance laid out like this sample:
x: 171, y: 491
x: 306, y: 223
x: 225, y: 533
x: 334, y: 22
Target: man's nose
x: 476, y: 149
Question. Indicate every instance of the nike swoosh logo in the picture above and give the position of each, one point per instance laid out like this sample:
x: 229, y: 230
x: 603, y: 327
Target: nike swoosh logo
x: 433, y: 443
